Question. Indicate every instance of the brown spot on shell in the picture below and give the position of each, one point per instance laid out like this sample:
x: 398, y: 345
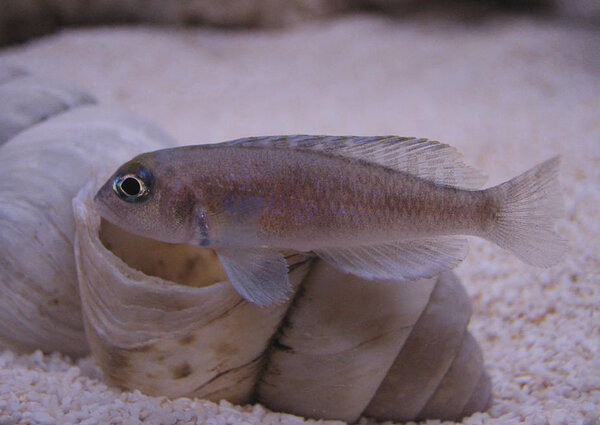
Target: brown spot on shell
x: 117, y: 361
x: 116, y: 358
x: 188, y: 268
x: 182, y: 370
x: 226, y: 349
x: 187, y: 340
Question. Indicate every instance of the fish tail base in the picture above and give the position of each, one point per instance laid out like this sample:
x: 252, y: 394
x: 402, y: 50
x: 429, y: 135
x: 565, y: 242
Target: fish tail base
x: 527, y: 209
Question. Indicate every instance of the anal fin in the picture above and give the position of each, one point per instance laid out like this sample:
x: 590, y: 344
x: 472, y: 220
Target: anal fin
x: 259, y: 275
x: 401, y: 260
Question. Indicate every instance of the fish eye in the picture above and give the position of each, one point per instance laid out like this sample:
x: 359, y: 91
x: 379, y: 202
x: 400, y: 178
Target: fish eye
x: 132, y: 187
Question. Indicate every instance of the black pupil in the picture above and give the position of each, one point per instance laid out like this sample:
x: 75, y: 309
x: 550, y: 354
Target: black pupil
x: 131, y: 186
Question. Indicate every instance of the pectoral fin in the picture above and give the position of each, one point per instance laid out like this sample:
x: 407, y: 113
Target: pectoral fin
x: 259, y: 275
x: 405, y: 260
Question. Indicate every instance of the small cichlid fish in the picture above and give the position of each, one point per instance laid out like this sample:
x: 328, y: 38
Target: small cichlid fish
x: 377, y: 207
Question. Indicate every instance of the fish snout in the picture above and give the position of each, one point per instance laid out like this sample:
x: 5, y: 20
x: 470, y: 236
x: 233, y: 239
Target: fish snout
x: 104, y: 202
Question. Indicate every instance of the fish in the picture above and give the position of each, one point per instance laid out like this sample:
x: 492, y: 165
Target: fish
x: 382, y: 208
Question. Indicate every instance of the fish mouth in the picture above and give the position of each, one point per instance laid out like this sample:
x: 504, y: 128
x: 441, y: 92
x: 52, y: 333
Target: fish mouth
x: 103, y: 202
x: 99, y: 203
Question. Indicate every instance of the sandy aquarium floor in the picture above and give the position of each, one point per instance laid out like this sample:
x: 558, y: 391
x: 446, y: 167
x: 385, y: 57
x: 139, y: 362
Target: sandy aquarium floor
x: 507, y: 93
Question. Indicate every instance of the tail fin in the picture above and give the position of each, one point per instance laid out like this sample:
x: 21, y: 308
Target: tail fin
x: 528, y: 206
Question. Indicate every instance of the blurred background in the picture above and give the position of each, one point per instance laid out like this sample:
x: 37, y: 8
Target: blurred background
x: 21, y: 20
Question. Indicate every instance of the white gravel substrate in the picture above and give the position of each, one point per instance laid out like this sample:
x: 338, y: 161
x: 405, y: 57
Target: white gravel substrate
x: 507, y: 93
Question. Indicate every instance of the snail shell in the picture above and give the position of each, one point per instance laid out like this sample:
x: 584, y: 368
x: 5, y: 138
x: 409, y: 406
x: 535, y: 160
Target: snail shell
x: 41, y: 170
x: 392, y: 351
x: 162, y: 318
x: 26, y: 100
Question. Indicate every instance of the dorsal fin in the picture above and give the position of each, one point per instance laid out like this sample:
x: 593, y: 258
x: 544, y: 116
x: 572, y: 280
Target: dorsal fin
x: 430, y: 160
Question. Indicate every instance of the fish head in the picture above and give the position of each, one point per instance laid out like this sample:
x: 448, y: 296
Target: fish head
x: 142, y: 199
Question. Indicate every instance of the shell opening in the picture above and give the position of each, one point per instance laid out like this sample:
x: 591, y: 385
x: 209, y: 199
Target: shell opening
x: 180, y: 263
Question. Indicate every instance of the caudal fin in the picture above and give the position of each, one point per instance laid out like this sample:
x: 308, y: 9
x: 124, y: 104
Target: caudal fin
x: 528, y: 207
